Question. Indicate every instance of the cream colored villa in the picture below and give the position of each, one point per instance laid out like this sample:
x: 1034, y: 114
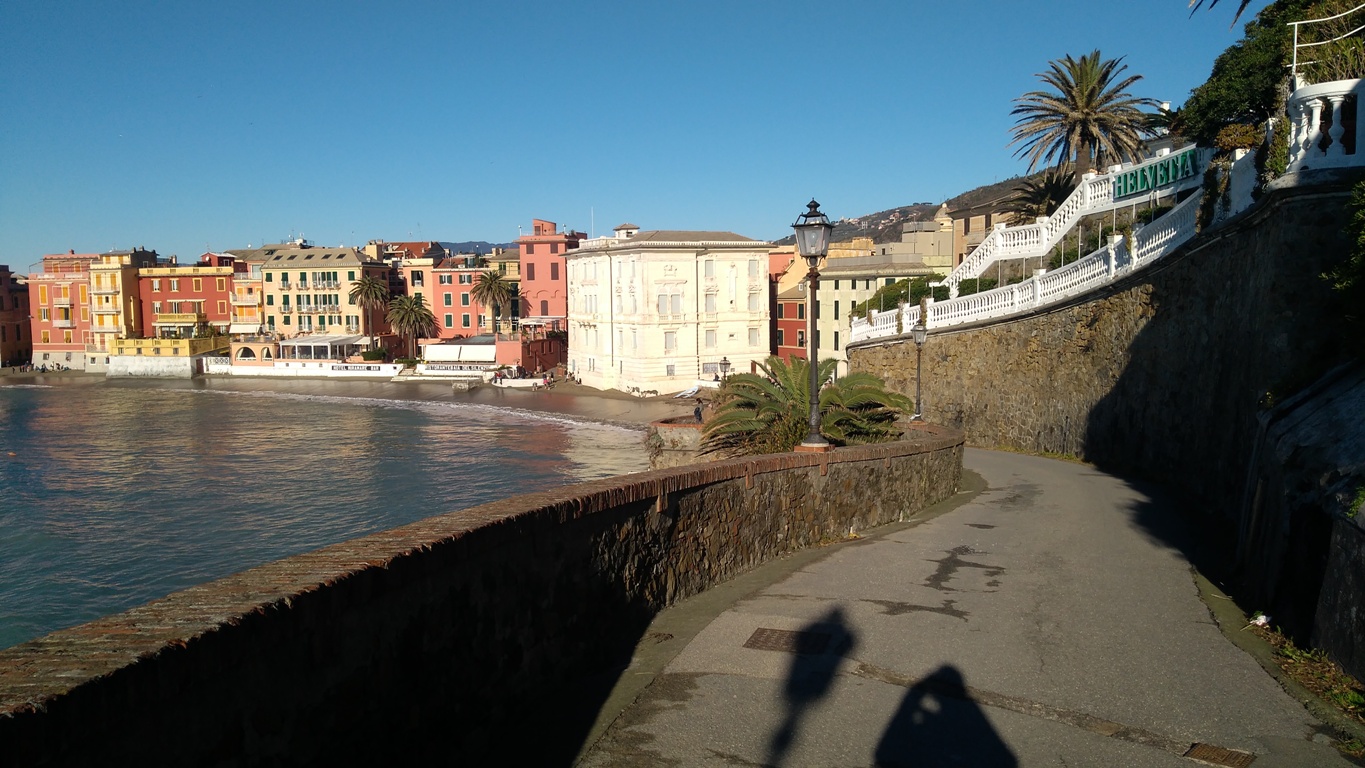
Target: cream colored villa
x: 659, y: 310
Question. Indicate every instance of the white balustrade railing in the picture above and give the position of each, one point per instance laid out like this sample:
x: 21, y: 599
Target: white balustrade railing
x: 1310, y: 108
x: 1078, y: 278
x: 1095, y: 194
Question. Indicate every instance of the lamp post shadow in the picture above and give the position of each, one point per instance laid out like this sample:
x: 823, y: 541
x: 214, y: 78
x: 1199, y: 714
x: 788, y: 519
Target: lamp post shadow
x: 820, y: 646
x: 938, y: 723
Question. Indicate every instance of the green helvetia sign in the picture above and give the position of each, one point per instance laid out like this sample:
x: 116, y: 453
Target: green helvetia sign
x: 1168, y: 171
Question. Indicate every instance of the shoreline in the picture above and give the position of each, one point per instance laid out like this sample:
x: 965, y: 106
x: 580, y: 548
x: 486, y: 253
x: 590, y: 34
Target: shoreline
x: 567, y: 400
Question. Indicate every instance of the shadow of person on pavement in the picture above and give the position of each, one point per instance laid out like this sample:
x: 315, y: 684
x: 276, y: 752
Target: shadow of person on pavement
x: 819, y: 647
x: 938, y: 724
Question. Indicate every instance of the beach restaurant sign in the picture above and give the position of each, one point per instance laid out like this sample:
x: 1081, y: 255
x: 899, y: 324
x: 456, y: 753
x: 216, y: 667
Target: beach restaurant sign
x: 1165, y: 171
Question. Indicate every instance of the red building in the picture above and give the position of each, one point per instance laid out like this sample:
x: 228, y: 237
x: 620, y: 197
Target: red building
x: 544, y: 280
x: 790, y: 339
x: 177, y: 300
x: 16, y: 345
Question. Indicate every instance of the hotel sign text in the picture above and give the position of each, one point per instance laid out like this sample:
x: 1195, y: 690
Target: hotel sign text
x: 1168, y: 171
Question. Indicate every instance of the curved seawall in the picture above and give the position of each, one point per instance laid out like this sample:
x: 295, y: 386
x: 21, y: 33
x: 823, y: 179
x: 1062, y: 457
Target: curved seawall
x: 492, y: 632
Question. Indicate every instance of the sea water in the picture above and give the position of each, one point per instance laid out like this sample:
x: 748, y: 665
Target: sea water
x: 114, y: 493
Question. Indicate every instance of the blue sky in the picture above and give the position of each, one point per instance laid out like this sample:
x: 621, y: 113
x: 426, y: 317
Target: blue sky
x: 187, y: 126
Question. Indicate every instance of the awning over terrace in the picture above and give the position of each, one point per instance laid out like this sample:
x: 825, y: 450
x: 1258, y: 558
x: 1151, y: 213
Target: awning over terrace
x: 322, y: 347
x: 244, y: 328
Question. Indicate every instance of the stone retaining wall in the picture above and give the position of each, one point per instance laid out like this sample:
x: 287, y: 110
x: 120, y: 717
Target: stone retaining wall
x: 453, y: 639
x: 675, y: 442
x: 1164, y: 376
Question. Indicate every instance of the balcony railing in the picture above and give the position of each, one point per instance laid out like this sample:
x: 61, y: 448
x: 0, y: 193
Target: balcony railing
x: 58, y: 322
x: 250, y: 300
x: 104, y: 289
x: 61, y: 301
x: 181, y: 318
x: 107, y: 310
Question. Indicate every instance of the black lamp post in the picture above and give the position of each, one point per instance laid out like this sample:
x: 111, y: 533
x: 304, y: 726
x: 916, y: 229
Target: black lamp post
x: 724, y: 368
x: 920, y: 333
x: 812, y: 242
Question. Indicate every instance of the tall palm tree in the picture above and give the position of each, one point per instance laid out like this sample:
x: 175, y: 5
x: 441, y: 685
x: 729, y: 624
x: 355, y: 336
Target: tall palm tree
x: 1195, y: 4
x: 1040, y: 195
x: 493, y: 291
x: 370, y: 293
x: 768, y: 412
x: 1088, y: 115
x: 412, y: 318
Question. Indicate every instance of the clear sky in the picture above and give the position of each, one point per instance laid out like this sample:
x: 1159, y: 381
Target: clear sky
x: 192, y: 126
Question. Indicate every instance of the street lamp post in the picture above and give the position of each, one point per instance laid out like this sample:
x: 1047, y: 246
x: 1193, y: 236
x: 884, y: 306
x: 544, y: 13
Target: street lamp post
x: 724, y: 368
x: 812, y: 242
x: 920, y: 333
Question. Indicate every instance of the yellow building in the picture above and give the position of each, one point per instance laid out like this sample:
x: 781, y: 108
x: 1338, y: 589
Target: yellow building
x: 306, y: 289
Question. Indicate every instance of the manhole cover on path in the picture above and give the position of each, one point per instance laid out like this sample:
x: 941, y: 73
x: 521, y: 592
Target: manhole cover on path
x: 1208, y: 753
x: 764, y: 639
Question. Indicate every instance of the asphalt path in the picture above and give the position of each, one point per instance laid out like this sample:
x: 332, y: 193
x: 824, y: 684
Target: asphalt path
x: 1048, y: 616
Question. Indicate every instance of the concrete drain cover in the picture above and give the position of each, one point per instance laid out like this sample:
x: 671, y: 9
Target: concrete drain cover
x: 785, y: 640
x: 1207, y: 753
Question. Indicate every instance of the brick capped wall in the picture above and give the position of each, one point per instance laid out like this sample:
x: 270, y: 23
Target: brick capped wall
x: 488, y: 634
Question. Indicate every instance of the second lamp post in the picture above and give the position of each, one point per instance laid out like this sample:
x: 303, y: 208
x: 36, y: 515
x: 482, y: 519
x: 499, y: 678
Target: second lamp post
x: 812, y: 242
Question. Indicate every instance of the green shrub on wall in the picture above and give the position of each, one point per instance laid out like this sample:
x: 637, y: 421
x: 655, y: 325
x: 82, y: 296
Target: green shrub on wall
x: 976, y: 285
x: 1348, y: 277
x: 1238, y: 136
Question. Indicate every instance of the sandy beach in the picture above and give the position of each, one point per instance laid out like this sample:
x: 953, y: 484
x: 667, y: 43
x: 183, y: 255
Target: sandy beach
x: 566, y: 399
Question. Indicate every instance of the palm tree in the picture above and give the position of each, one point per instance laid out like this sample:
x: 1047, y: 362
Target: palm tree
x: 493, y: 291
x: 1040, y: 195
x: 370, y: 293
x: 1195, y: 4
x: 768, y: 412
x: 1087, y: 117
x: 411, y: 317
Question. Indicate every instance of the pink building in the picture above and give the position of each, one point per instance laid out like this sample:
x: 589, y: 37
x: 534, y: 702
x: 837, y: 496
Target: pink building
x: 544, y: 280
x: 59, y: 308
x: 457, y: 313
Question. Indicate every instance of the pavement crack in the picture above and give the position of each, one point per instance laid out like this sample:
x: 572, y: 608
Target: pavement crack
x: 950, y: 565
x: 894, y: 608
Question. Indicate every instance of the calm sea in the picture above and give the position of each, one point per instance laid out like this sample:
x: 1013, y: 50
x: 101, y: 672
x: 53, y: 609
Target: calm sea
x: 114, y: 493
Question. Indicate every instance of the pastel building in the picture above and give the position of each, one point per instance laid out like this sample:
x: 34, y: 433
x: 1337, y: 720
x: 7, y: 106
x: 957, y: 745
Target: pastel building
x: 458, y: 313
x: 16, y: 343
x: 81, y: 303
x: 544, y: 284
x: 178, y: 302
x: 307, y: 290
x: 658, y: 310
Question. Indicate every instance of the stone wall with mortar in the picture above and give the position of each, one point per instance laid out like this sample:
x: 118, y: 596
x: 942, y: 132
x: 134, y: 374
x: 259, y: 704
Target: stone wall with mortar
x: 456, y: 638
x: 1162, y: 374
x: 1166, y: 374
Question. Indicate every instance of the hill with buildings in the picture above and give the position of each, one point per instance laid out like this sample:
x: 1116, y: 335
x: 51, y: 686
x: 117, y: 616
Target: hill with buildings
x: 885, y: 226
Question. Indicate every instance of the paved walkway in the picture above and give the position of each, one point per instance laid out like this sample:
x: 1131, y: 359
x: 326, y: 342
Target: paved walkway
x: 1050, y: 620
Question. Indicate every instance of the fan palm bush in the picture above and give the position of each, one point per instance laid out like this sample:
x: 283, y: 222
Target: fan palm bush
x: 768, y: 412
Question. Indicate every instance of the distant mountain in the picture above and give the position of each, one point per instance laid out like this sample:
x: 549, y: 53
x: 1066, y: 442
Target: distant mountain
x: 477, y: 246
